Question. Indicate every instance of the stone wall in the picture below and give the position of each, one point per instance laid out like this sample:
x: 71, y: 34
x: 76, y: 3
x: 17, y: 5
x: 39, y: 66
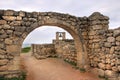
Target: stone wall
x: 96, y: 45
x: 64, y: 49
x: 41, y: 51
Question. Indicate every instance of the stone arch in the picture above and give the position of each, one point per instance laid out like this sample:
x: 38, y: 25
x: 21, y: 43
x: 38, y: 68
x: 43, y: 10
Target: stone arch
x: 70, y: 27
x: 16, y: 25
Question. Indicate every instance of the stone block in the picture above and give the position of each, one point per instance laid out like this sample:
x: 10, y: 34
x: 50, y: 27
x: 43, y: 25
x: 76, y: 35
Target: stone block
x: 18, y: 18
x: 116, y: 33
x: 8, y: 12
x: 110, y: 39
x: 101, y: 72
x: 107, y: 44
x: 118, y: 38
x: 3, y: 22
x: 12, y: 48
x: 9, y: 18
x: 101, y: 65
x: 110, y: 73
x: 6, y: 26
x: 21, y: 13
x: 97, y: 27
x: 3, y: 62
x: 108, y: 66
x: 8, y: 41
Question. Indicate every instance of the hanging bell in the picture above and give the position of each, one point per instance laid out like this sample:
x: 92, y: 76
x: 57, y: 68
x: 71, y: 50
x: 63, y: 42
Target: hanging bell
x: 60, y: 35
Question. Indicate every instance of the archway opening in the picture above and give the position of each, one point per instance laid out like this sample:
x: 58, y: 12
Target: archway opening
x: 46, y: 37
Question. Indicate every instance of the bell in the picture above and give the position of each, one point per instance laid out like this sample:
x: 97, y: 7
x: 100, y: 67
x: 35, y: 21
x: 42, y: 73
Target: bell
x: 60, y: 35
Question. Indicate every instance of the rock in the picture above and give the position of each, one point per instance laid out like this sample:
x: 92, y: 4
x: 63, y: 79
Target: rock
x: 119, y: 68
x: 110, y: 73
x: 110, y: 39
x: 9, y: 18
x: 108, y: 66
x: 3, y: 22
x: 97, y: 27
x: 6, y: 26
x: 101, y: 65
x: 116, y: 33
x: 112, y: 49
x: 21, y: 13
x: 18, y: 18
x: 8, y: 12
x: 101, y: 72
x: 118, y: 38
x: 107, y: 44
x: 3, y: 62
x: 8, y: 41
x: 12, y: 49
x: 115, y: 69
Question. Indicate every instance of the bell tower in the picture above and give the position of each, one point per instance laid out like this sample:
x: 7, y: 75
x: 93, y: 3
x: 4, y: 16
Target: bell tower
x: 60, y: 35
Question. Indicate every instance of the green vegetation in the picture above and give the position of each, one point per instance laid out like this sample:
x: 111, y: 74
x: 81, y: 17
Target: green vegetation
x: 71, y: 62
x: 26, y: 49
x: 75, y: 65
x: 103, y: 77
x: 21, y: 77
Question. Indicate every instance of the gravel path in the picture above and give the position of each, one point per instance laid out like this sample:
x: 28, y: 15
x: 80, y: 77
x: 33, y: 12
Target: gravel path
x: 52, y: 69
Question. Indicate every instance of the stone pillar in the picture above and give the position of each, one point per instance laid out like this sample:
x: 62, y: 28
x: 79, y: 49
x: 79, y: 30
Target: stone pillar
x: 57, y: 35
x: 64, y: 35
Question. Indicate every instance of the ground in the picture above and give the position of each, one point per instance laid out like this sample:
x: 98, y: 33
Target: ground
x: 52, y: 69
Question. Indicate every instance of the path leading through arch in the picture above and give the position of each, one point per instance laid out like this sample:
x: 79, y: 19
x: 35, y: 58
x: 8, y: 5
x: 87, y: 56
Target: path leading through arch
x: 52, y: 69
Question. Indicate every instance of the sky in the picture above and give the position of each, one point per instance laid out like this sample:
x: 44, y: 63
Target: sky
x: 80, y: 8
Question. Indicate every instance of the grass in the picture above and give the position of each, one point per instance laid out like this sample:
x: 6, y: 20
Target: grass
x: 26, y: 49
x: 103, y: 77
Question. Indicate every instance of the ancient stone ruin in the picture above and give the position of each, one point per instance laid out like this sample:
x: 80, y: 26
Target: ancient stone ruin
x: 61, y: 48
x: 97, y: 46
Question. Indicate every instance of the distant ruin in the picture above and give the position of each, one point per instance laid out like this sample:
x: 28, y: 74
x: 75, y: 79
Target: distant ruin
x: 61, y: 47
x: 97, y: 46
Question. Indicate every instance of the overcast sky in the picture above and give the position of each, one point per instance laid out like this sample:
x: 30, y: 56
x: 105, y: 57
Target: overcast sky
x: 79, y: 8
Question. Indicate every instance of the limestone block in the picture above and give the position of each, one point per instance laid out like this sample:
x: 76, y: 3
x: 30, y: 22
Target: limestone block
x: 15, y: 64
x: 12, y: 48
x: 3, y: 22
x: 3, y: 62
x: 110, y: 39
x: 116, y: 33
x: 92, y: 33
x: 6, y: 26
x: 101, y: 72
x: 18, y: 18
x: 119, y: 68
x: 111, y: 73
x: 21, y: 13
x: 107, y: 44
x: 117, y: 43
x: 8, y: 12
x: 2, y: 68
x: 115, y: 69
x: 108, y: 66
x: 112, y: 49
x: 9, y: 18
x: 97, y: 27
x: 2, y: 45
x: 16, y: 23
x: 2, y: 51
x: 101, y: 65
x: 8, y: 41
x: 118, y: 38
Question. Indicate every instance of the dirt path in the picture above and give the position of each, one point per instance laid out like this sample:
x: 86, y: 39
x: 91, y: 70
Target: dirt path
x: 52, y: 69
